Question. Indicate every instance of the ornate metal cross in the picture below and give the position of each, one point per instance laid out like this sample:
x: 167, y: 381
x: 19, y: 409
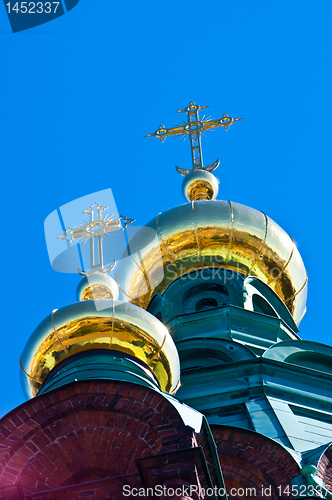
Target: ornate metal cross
x: 194, y: 127
x: 97, y: 226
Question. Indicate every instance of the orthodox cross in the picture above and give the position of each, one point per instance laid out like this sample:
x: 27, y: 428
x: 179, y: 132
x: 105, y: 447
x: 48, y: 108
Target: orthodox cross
x: 98, y: 226
x: 194, y: 127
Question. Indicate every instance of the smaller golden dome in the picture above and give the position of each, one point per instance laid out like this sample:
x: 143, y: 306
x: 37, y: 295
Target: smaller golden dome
x: 200, y: 185
x: 97, y: 286
x: 100, y: 324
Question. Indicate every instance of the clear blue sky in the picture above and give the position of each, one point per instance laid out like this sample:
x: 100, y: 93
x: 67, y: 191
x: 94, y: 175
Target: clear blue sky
x: 79, y: 94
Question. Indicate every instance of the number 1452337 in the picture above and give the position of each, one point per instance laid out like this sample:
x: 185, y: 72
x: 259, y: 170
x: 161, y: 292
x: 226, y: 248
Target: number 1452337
x: 32, y: 7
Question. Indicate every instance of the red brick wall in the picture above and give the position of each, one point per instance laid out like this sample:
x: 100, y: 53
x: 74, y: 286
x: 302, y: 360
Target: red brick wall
x: 250, y: 460
x: 86, y: 431
x: 324, y: 468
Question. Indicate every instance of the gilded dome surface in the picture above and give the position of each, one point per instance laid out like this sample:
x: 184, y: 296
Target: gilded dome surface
x: 218, y: 234
x: 100, y: 324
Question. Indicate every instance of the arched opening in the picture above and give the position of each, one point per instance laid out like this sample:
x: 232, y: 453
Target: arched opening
x: 206, y: 303
x: 203, y: 297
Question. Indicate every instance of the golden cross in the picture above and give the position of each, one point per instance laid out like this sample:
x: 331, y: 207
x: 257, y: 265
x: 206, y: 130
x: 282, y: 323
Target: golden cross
x: 97, y: 226
x: 193, y: 128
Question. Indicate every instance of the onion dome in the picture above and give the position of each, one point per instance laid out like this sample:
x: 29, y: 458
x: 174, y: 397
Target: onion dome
x: 214, y: 234
x: 101, y: 326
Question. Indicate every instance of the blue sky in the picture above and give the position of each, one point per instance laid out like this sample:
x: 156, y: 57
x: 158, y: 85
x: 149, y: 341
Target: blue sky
x: 79, y: 94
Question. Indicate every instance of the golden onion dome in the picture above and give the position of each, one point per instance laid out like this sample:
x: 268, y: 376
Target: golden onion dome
x: 100, y: 324
x: 213, y: 234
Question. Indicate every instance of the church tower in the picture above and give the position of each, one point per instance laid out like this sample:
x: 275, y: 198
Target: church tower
x: 209, y: 293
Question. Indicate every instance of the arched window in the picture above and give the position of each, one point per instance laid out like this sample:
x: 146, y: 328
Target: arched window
x: 206, y: 303
x: 203, y: 297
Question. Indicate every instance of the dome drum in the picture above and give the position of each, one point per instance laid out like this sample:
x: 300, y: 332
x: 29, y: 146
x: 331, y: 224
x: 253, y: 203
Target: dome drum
x: 210, y: 288
x: 99, y: 364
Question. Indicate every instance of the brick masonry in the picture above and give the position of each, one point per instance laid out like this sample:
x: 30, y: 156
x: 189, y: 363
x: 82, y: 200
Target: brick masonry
x: 87, y: 432
x: 324, y: 467
x: 250, y: 460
